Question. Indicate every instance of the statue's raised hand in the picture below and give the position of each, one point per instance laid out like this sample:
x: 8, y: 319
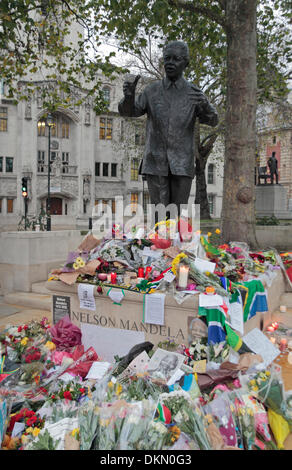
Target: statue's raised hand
x: 130, y: 87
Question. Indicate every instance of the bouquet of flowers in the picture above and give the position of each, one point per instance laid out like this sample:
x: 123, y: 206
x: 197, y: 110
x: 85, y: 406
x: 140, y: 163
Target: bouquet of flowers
x: 156, y: 437
x: 193, y: 424
x: 111, y: 421
x: 176, y: 402
x: 267, y: 387
x: 218, y: 352
x: 88, y: 416
x: 136, y: 425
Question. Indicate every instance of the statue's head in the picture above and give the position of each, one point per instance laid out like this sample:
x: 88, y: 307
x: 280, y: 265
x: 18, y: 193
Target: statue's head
x: 176, y: 59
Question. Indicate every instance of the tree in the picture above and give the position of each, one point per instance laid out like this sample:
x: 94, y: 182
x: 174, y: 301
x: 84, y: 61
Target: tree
x: 240, y: 49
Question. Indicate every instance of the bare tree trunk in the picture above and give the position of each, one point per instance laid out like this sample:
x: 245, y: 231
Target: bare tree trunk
x: 238, y: 214
x: 201, y: 189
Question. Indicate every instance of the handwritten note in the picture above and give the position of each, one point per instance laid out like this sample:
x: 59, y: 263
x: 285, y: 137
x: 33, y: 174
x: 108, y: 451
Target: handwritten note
x: 235, y: 311
x: 86, y: 296
x: 98, y: 370
x: 210, y: 300
x: 116, y: 295
x: 154, y: 308
x: 260, y: 344
x: 203, y: 265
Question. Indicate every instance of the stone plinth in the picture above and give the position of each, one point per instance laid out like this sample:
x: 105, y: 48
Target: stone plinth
x: 28, y: 257
x: 271, y: 200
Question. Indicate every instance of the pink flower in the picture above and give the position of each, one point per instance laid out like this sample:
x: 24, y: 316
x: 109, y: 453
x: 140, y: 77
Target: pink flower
x: 65, y: 334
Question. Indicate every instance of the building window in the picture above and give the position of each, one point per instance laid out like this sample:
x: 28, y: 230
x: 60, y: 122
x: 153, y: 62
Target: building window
x: 9, y: 165
x: 274, y: 139
x: 41, y: 161
x: 134, y: 202
x: 211, y: 201
x: 65, y: 129
x: 106, y: 94
x: 105, y: 128
x: 1, y: 164
x: 105, y: 169
x: 53, y: 156
x: 41, y: 128
x: 114, y: 170
x: 54, y: 127
x: 3, y: 119
x: 134, y: 169
x: 84, y: 207
x: 9, y: 206
x: 97, y: 169
x: 211, y: 175
x: 65, y: 162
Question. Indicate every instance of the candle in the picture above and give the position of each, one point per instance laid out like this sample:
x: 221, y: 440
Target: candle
x: 283, y: 344
x: 148, y: 271
x: 102, y: 276
x: 271, y: 328
x: 113, y: 278
x: 108, y: 278
x: 183, y: 276
x: 283, y: 308
x: 275, y: 325
x: 140, y: 272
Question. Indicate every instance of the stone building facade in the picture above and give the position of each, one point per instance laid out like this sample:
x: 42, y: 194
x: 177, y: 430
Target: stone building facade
x: 275, y: 135
x: 94, y: 158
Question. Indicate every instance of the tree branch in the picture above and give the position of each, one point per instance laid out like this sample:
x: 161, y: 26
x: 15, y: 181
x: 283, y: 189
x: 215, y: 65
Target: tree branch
x: 200, y: 9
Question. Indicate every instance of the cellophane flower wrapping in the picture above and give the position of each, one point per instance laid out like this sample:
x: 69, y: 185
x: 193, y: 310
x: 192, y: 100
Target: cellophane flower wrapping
x: 136, y: 425
x: 219, y: 409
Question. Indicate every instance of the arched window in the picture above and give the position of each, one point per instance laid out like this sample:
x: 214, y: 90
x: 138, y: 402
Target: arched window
x: 106, y: 94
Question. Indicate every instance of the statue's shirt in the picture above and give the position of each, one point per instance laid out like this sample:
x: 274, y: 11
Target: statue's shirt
x: 171, y: 109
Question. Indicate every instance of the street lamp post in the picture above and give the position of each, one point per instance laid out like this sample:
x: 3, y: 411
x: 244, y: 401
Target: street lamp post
x: 49, y: 123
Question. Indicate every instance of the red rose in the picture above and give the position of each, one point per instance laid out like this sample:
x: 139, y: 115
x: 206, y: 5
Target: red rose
x: 31, y: 421
x: 19, y: 329
x: 25, y: 327
x: 68, y: 395
x: 82, y: 390
x: 53, y: 396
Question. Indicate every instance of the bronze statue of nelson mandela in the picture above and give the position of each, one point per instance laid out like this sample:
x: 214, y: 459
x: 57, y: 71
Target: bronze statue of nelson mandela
x: 172, y: 105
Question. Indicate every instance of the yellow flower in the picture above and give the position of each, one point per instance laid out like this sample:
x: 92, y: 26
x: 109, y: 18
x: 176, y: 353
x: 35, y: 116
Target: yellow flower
x: 75, y: 433
x: 252, y: 382
x: 119, y: 389
x: 50, y: 345
x: 104, y: 422
x: 29, y: 430
x: 24, y: 341
x: 268, y: 372
x: 255, y: 388
x: 79, y: 260
x: 176, y: 261
x: 209, y: 234
x: 110, y: 385
x: 53, y: 278
x: 36, y: 432
x: 81, y: 264
x: 75, y: 266
x: 249, y: 411
x: 218, y: 231
x: 24, y: 439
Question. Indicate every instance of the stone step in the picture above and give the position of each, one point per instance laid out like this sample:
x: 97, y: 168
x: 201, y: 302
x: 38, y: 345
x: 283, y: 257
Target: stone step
x: 281, y: 317
x: 286, y: 299
x: 40, y: 288
x: 29, y: 299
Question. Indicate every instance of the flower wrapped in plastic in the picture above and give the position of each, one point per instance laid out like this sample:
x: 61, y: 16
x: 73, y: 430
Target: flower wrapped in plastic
x: 111, y: 421
x: 193, y: 424
x: 136, y: 425
x: 267, y: 386
x: 65, y: 334
x: 219, y: 409
x: 88, y: 416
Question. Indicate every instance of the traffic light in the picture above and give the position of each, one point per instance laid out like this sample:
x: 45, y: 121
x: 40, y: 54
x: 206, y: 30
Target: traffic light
x: 24, y: 187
